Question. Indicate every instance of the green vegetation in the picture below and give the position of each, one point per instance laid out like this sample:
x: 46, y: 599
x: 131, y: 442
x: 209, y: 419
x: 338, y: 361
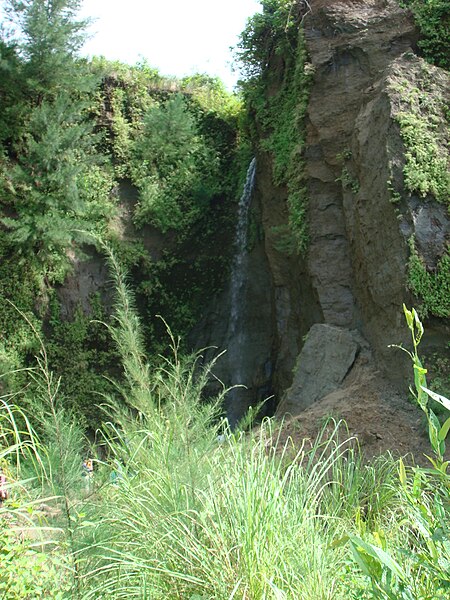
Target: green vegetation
x: 107, y: 151
x: 421, y: 115
x: 433, y: 20
x: 272, y: 53
x: 426, y: 169
x: 348, y: 181
x: 432, y: 288
x: 174, y: 511
x: 116, y: 164
x: 81, y: 352
x: 174, y: 170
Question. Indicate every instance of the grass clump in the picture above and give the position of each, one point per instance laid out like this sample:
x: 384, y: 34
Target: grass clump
x: 32, y: 565
x: 233, y: 519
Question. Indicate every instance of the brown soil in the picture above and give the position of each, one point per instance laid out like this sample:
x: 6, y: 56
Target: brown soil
x: 378, y: 416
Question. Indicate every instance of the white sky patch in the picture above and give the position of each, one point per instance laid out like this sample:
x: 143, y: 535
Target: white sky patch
x: 178, y: 37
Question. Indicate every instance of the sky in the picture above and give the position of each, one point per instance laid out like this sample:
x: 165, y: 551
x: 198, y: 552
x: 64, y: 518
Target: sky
x: 178, y: 37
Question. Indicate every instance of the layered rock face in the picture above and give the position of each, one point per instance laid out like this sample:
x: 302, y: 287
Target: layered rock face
x: 383, y: 220
x: 350, y: 44
x: 355, y: 272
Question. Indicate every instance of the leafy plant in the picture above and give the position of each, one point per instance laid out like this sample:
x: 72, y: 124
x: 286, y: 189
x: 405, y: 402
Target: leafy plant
x: 27, y: 573
x: 426, y: 166
x: 45, y: 190
x: 348, y: 181
x: 422, y: 569
x: 432, y: 288
x: 266, y: 33
x: 81, y: 353
x: 276, y: 32
x: 58, y: 466
x: 437, y: 433
x: 173, y: 168
x: 433, y: 19
x: 420, y: 113
x: 49, y: 36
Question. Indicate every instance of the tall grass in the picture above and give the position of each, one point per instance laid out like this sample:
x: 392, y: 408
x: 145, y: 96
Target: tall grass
x: 185, y: 508
x: 232, y: 519
x: 45, y: 472
x: 190, y: 514
x: 32, y: 564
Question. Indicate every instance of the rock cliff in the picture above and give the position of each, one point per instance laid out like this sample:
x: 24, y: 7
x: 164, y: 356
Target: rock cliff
x: 361, y: 216
x: 365, y: 219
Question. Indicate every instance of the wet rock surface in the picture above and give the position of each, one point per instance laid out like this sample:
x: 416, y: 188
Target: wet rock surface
x: 89, y: 276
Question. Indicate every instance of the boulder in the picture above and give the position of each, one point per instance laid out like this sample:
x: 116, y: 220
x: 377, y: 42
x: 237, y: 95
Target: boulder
x: 322, y: 365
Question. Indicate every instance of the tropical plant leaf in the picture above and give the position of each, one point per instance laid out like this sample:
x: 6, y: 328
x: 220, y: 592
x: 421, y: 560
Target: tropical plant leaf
x: 437, y: 397
x: 379, y: 554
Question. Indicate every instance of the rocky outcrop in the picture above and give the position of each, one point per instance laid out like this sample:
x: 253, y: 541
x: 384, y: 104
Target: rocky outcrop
x: 322, y: 365
x: 361, y: 217
x: 353, y: 279
x: 295, y: 304
x: 351, y: 45
x: 89, y: 276
x: 383, y: 216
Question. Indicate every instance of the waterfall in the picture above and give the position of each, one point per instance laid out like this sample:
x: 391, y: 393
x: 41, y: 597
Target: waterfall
x: 239, y: 274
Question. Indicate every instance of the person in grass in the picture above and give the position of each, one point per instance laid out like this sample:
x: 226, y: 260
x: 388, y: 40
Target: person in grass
x: 88, y: 472
x: 3, y: 488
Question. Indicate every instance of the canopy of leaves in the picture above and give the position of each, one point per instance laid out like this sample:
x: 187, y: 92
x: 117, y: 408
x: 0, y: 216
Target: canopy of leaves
x: 264, y: 34
x: 72, y: 134
x: 44, y: 180
x: 172, y: 166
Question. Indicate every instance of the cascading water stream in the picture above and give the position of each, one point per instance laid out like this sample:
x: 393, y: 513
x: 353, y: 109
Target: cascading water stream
x: 237, y: 333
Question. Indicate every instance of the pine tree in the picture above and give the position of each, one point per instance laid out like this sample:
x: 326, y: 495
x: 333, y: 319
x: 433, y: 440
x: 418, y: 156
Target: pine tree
x: 42, y: 204
x: 48, y: 209
x: 48, y: 39
x: 172, y: 167
x: 13, y: 103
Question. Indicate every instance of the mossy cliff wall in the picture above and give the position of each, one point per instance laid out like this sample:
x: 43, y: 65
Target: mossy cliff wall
x: 369, y: 171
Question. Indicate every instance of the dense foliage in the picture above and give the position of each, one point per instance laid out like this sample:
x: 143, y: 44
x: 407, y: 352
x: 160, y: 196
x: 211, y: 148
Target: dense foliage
x: 103, y: 150
x: 422, y: 116
x: 117, y: 165
x: 421, y: 112
x: 433, y: 288
x: 172, y: 509
x: 433, y: 19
